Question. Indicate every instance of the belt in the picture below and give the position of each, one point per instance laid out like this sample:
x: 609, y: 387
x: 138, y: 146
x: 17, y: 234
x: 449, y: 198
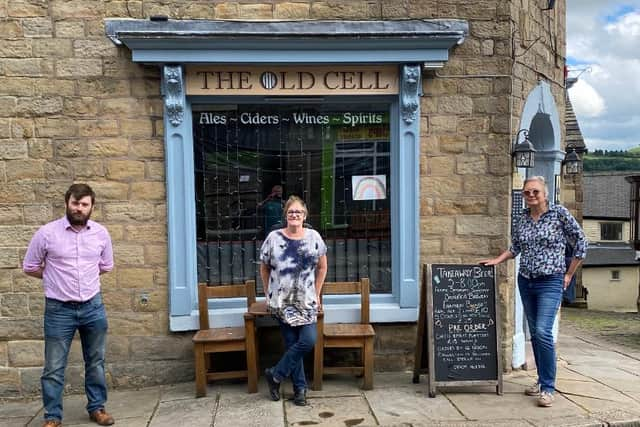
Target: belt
x: 73, y: 303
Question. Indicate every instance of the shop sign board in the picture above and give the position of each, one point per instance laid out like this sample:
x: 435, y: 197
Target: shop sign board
x: 292, y: 81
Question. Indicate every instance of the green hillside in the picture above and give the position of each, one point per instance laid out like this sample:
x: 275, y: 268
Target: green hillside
x: 615, y: 160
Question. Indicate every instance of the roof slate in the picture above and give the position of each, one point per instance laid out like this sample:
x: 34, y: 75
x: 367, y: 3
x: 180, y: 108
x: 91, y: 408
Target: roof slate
x: 573, y: 136
x: 606, y: 195
x: 609, y: 254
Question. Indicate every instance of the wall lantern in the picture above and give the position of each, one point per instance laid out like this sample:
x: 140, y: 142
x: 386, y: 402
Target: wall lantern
x: 572, y: 163
x: 524, y: 152
x: 550, y: 5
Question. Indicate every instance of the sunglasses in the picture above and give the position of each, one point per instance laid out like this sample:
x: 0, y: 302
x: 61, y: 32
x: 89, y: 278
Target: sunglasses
x: 295, y: 213
x: 530, y: 193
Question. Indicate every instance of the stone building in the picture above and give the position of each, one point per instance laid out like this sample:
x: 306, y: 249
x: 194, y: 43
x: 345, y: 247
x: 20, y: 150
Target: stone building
x: 182, y: 115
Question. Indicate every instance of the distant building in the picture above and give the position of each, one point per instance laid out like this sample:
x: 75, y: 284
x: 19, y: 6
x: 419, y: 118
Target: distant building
x: 610, y: 271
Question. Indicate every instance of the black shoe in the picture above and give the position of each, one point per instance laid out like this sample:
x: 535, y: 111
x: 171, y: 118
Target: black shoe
x: 274, y: 387
x: 300, y: 397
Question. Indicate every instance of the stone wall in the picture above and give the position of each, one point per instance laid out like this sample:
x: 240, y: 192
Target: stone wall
x: 606, y: 294
x: 471, y: 113
x: 75, y: 108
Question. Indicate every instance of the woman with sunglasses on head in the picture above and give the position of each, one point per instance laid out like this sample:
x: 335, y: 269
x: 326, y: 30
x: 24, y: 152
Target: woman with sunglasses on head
x: 540, y: 237
x: 293, y: 269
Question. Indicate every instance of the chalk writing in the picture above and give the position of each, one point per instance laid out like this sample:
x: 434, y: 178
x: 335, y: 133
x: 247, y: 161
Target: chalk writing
x: 464, y: 314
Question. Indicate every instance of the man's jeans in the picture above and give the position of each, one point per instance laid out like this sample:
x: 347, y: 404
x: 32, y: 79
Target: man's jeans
x: 541, y: 297
x: 299, y: 340
x: 61, y: 320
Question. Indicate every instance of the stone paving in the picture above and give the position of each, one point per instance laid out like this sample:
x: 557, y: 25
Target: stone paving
x: 597, y: 386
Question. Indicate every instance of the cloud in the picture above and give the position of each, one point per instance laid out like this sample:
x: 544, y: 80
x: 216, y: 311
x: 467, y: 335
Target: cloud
x: 627, y: 26
x: 586, y: 100
x: 602, y: 45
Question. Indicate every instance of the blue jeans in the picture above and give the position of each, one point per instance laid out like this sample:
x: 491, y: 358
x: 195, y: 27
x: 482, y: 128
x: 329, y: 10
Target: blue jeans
x: 541, y: 297
x: 61, y: 320
x: 298, y: 340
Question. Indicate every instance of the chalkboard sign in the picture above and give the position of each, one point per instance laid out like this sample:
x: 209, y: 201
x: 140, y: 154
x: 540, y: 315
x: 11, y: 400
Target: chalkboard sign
x: 462, y: 325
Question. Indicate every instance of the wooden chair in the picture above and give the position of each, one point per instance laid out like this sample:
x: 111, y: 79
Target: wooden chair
x: 346, y: 335
x: 219, y: 340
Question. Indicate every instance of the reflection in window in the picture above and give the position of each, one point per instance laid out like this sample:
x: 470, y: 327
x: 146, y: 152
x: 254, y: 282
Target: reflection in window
x: 250, y: 158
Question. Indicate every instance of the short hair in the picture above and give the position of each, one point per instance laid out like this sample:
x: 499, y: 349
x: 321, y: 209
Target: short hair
x: 541, y: 180
x: 78, y: 191
x: 295, y: 199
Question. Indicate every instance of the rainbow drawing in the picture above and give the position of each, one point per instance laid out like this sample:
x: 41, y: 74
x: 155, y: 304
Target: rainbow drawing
x: 369, y: 187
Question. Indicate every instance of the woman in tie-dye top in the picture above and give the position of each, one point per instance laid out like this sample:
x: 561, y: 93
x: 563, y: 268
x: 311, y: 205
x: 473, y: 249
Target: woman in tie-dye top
x: 293, y: 269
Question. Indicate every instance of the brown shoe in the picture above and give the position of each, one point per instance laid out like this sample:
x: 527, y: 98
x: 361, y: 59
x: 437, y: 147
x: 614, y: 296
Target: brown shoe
x: 101, y: 417
x: 52, y: 423
x: 545, y: 400
x: 532, y: 390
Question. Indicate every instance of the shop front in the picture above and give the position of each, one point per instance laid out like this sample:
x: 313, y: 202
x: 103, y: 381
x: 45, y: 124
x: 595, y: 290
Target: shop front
x: 325, y: 110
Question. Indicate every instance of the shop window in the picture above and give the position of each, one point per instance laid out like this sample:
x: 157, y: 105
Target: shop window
x: 334, y: 157
x: 615, y: 274
x: 610, y: 231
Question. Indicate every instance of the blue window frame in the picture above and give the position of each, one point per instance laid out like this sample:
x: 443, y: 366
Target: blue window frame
x: 398, y: 305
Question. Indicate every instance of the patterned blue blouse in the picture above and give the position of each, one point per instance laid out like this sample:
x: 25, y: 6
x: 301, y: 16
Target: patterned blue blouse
x: 292, y: 280
x: 542, y: 244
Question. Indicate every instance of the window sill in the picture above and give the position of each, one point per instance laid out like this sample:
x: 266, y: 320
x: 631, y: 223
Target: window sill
x: 381, y: 312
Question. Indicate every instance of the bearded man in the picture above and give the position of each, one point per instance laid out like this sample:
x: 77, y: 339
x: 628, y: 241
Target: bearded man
x: 69, y: 255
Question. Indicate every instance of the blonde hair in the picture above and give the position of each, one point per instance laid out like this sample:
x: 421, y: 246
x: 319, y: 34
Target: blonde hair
x: 295, y: 199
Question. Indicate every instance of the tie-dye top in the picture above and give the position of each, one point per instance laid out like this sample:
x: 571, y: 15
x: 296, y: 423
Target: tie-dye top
x: 292, y: 291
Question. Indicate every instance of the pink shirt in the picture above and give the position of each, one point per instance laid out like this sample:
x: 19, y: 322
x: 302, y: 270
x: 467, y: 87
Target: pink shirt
x: 72, y: 260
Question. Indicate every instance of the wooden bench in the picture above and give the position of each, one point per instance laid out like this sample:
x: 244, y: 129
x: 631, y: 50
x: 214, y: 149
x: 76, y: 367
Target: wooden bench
x: 208, y: 341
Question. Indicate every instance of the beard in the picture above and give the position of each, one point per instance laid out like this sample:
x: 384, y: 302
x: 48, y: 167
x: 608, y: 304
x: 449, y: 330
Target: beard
x: 77, y: 218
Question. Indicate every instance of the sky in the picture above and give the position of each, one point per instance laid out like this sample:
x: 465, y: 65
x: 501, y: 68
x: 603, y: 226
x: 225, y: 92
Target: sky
x: 603, y: 47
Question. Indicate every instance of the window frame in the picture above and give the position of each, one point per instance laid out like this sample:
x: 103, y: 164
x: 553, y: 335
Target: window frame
x: 346, y: 154
x: 609, y: 225
x: 409, y: 44
x: 613, y: 277
x: 400, y: 305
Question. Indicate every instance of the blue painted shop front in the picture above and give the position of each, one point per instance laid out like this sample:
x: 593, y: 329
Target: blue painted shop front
x: 219, y: 173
